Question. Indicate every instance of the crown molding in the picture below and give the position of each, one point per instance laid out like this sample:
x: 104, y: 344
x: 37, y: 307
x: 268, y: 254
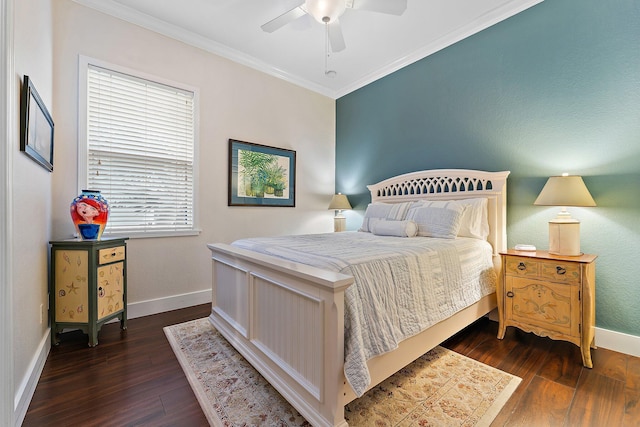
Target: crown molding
x: 188, y: 37
x: 484, y: 21
x: 481, y: 23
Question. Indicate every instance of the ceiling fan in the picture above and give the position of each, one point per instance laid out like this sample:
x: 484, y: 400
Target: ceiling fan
x: 328, y: 11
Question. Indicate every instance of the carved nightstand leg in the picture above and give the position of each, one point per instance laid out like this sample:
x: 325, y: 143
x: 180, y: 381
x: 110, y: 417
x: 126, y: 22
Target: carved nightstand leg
x: 501, y: 330
x: 502, y: 326
x: 586, y: 356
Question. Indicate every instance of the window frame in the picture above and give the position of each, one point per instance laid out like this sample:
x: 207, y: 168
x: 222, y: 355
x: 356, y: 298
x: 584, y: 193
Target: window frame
x: 83, y: 149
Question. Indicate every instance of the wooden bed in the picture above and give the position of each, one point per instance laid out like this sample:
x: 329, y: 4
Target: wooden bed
x: 287, y: 319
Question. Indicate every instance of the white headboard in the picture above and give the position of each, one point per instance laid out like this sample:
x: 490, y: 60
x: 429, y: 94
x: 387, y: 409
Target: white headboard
x: 452, y: 184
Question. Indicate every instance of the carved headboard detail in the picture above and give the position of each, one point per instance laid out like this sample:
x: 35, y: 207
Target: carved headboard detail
x: 452, y: 184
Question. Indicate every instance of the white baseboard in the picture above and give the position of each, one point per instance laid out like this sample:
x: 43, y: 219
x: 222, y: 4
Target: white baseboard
x: 618, y: 341
x: 30, y: 381
x: 174, y: 302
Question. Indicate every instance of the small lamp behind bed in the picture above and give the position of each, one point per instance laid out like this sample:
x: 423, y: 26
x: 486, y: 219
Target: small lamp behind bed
x: 339, y: 202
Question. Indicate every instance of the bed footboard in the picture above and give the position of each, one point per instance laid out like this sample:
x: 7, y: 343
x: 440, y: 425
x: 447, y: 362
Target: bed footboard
x: 287, y: 320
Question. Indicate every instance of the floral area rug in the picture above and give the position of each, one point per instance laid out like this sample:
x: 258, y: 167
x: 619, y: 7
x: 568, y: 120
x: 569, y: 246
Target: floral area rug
x: 441, y: 388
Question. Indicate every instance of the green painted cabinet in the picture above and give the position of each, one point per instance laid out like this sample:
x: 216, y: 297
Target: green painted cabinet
x: 87, y: 285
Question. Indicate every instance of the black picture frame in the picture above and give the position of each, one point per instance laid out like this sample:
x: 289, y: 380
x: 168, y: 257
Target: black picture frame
x: 260, y: 175
x: 36, y: 126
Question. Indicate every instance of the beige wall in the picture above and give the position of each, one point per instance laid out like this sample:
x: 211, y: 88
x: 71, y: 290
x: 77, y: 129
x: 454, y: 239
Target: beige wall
x: 235, y: 102
x: 32, y: 191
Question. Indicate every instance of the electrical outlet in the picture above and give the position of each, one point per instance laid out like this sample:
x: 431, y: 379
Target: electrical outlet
x: 41, y: 313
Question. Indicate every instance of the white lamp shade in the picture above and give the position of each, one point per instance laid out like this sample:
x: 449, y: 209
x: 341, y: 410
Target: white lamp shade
x: 339, y: 202
x: 565, y: 191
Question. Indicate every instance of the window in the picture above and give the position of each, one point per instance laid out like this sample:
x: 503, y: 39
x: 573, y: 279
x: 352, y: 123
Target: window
x: 140, y: 149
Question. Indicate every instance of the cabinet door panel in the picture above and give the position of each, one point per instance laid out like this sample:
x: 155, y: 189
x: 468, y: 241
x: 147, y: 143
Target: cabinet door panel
x: 71, y: 287
x: 110, y: 289
x: 549, y: 306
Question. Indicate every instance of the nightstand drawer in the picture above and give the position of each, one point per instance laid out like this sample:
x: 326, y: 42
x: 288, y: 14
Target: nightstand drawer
x: 557, y: 271
x: 111, y: 254
x: 521, y: 267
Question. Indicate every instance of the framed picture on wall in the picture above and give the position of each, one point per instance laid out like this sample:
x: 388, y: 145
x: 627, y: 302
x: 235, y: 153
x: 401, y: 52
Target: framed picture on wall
x: 260, y: 175
x: 36, y: 126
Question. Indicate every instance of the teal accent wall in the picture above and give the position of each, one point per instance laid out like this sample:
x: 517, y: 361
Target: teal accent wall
x: 553, y: 89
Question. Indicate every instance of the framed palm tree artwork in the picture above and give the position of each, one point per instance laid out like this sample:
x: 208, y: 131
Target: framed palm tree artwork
x: 260, y: 175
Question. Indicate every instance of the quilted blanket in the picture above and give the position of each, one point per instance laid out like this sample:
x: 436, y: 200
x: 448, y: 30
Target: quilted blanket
x: 402, y: 285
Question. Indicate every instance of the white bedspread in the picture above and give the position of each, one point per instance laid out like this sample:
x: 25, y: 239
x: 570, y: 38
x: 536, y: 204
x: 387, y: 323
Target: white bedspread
x: 402, y: 285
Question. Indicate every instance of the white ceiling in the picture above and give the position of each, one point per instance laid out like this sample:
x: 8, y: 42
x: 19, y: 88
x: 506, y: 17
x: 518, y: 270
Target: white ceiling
x: 377, y: 44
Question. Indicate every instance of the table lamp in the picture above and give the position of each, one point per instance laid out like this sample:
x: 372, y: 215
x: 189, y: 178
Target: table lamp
x: 339, y: 202
x: 564, y: 231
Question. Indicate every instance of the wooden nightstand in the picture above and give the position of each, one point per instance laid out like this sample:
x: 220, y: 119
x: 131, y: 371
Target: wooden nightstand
x: 550, y: 295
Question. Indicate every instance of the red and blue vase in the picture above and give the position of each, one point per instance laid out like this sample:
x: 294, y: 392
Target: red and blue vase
x: 89, y: 212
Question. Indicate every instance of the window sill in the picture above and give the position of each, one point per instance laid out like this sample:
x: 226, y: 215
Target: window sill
x: 154, y: 234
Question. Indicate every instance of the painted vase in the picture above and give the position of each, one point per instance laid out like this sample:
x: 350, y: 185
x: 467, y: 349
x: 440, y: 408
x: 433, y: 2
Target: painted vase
x: 89, y: 212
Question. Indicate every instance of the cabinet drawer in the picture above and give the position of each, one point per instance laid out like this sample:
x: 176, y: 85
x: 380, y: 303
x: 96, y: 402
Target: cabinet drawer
x: 521, y: 267
x: 556, y: 271
x: 111, y: 254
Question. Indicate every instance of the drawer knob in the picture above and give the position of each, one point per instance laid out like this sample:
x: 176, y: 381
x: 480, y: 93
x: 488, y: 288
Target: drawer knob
x: 522, y: 266
x: 510, y: 294
x: 113, y: 254
x: 561, y: 270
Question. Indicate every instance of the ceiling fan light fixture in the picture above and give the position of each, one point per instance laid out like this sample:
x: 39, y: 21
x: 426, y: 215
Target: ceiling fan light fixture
x: 325, y: 11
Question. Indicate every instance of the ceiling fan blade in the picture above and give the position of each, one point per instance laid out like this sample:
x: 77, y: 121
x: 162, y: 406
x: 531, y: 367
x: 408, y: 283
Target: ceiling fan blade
x: 391, y: 7
x: 336, y: 39
x: 283, y: 19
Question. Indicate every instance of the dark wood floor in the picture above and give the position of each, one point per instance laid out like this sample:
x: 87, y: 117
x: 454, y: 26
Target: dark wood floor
x: 556, y: 390
x: 132, y: 378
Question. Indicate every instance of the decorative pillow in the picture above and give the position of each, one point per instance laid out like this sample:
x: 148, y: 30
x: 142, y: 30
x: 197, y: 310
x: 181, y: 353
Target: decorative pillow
x: 475, y: 219
x: 437, y: 218
x: 393, y: 211
x: 388, y: 227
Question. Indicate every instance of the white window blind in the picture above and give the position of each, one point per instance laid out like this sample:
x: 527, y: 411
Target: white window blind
x: 140, y: 152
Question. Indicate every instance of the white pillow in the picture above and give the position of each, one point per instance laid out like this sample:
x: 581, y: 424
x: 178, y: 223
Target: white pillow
x: 387, y: 227
x: 393, y: 211
x: 475, y: 219
x: 437, y: 218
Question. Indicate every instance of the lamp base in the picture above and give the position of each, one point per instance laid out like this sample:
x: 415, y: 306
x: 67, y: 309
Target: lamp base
x: 339, y: 223
x: 564, y: 237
